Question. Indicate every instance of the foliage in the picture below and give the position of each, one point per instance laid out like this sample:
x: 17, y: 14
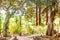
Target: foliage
x: 27, y: 19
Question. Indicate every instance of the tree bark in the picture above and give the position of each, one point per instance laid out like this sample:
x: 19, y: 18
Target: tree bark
x: 38, y: 15
x: 51, y: 15
x: 46, y: 16
x: 50, y: 23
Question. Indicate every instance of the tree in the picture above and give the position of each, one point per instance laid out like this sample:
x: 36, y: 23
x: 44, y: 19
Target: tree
x: 38, y: 15
x: 51, y: 14
x: 8, y: 14
x: 51, y: 9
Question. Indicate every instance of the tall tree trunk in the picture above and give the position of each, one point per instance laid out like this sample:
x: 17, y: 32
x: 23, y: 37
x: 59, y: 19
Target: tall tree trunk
x: 38, y: 15
x: 5, y: 27
x: 50, y: 23
x: 51, y: 15
x: 46, y: 16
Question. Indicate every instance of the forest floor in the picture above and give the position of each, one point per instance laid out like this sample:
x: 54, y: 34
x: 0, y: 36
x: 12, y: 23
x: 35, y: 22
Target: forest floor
x: 32, y: 37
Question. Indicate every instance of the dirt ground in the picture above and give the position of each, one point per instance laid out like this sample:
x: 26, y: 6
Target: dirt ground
x: 31, y: 37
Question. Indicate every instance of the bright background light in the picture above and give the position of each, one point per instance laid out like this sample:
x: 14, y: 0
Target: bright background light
x: 2, y: 11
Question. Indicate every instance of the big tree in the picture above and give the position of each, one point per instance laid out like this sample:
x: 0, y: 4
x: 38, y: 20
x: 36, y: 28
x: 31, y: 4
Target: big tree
x: 8, y: 4
x: 52, y: 9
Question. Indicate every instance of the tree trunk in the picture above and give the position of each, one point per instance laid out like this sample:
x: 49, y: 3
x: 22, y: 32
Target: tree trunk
x: 46, y: 16
x: 5, y: 27
x: 50, y: 23
x: 38, y: 16
x: 51, y: 15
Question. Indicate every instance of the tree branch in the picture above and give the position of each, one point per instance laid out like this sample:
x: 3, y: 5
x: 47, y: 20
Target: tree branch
x: 20, y: 6
x: 45, y: 9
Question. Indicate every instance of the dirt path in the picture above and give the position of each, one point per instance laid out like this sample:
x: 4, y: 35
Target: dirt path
x: 35, y: 37
x: 31, y: 37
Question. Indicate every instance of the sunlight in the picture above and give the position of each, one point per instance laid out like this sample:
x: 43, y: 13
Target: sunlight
x: 56, y: 21
x: 2, y: 11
